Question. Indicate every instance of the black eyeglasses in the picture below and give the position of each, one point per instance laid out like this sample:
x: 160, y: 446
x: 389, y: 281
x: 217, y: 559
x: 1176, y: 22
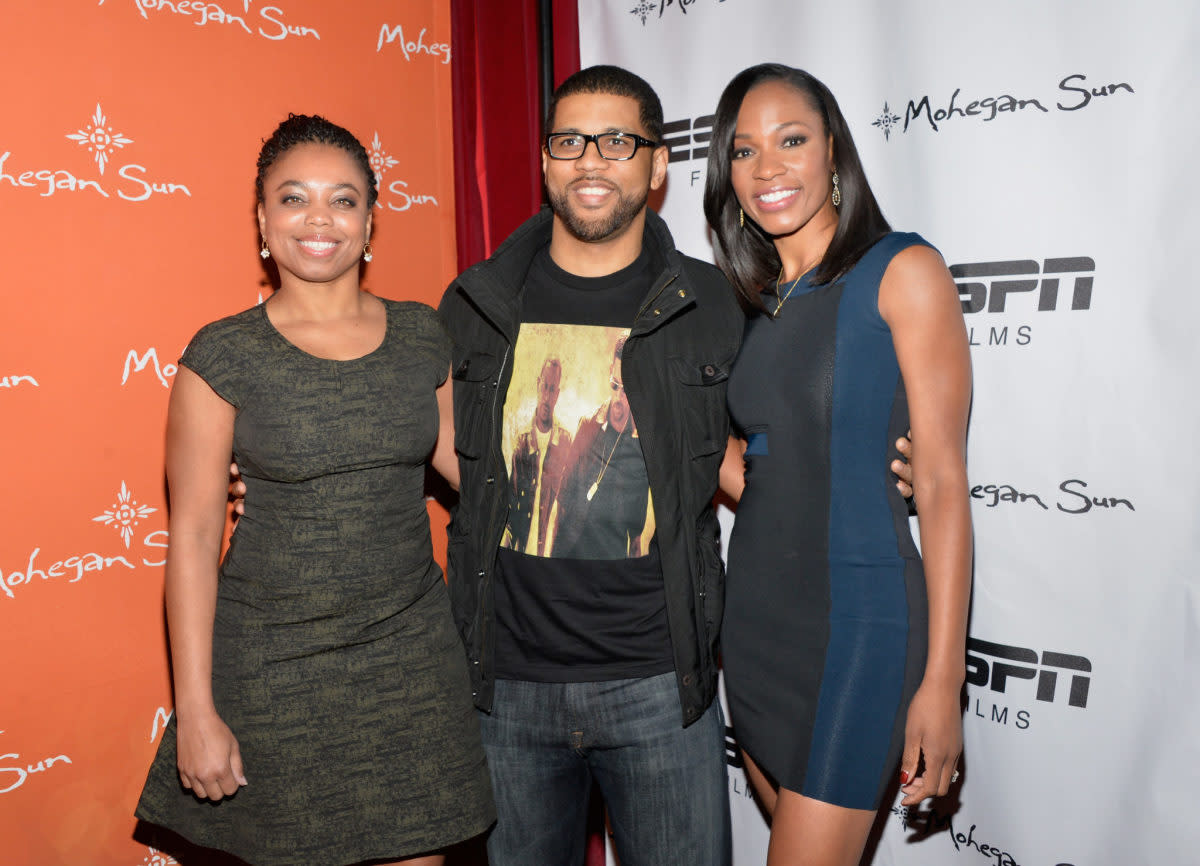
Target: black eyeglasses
x: 611, y: 145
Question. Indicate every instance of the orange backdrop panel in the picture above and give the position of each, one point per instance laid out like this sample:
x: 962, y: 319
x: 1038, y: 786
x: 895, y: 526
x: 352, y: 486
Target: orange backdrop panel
x: 127, y: 157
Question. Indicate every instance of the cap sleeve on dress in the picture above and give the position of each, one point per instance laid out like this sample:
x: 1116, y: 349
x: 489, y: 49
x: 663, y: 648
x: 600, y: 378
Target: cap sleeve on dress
x: 212, y: 356
x: 430, y: 335
x: 443, y: 346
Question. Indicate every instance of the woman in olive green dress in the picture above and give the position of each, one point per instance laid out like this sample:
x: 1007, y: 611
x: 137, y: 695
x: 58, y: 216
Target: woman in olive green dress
x: 322, y: 705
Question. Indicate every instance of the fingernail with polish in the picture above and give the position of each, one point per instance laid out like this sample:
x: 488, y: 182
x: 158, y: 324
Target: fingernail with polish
x: 904, y: 777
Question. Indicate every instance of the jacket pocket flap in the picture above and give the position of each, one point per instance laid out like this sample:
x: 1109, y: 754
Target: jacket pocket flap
x: 475, y: 366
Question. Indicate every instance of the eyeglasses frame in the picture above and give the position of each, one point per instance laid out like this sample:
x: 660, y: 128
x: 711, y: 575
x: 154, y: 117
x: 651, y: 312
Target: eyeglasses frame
x: 638, y: 141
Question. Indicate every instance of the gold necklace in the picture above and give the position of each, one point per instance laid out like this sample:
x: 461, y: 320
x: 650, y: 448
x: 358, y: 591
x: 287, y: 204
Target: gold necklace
x: 596, y: 484
x: 784, y: 297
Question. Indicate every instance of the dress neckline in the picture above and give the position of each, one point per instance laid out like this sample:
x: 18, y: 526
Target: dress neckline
x: 387, y: 329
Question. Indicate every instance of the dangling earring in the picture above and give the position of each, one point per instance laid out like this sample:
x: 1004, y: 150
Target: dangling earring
x: 837, y: 192
x: 264, y: 252
x: 741, y: 219
x: 367, y: 252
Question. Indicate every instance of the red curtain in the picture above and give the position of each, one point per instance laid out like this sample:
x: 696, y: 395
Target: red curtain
x: 495, y: 68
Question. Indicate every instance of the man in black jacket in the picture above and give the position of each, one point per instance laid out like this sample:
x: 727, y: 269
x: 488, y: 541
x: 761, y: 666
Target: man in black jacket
x: 600, y: 665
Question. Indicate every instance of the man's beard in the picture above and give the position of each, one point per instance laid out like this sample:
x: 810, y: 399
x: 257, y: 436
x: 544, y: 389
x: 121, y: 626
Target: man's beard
x: 597, y: 229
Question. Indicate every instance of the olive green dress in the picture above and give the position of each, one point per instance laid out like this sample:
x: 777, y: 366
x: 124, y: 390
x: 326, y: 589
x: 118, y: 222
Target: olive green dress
x: 335, y: 660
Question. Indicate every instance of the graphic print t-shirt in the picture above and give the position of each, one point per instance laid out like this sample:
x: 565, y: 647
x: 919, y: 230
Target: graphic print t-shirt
x: 580, y: 591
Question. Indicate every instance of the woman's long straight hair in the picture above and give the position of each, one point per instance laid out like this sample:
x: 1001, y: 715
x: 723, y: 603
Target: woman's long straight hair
x: 746, y: 253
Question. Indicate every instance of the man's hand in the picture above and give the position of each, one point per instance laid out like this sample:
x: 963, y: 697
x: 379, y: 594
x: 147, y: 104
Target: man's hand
x: 901, y: 467
x: 237, y: 487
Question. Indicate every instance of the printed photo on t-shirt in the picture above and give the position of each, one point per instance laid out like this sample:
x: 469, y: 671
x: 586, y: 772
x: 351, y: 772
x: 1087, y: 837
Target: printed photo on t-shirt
x: 577, y: 477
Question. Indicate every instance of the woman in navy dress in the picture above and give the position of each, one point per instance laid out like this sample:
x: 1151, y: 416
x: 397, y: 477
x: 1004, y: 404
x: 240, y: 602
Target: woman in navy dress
x: 844, y: 652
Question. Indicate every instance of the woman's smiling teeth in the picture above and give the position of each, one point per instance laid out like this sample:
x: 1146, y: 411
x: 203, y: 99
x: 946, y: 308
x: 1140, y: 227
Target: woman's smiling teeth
x: 318, y: 246
x: 775, y: 195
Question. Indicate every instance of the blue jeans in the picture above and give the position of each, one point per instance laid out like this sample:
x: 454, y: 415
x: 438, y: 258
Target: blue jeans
x: 665, y: 786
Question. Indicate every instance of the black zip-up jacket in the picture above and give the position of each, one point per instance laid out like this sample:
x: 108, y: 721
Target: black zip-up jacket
x: 675, y: 366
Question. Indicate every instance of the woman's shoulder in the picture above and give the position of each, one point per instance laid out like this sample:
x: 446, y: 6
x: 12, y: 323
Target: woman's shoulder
x: 413, y: 315
x: 225, y: 351
x: 417, y: 310
x: 891, y: 251
x: 230, y: 329
x: 893, y: 243
x: 418, y: 323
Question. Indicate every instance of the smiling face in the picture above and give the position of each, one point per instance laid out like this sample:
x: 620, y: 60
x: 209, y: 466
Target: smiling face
x: 594, y: 199
x: 314, y: 214
x: 782, y: 163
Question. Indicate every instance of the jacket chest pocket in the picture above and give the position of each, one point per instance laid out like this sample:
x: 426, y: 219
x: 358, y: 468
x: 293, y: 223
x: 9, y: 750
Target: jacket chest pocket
x: 700, y: 385
x: 476, y: 378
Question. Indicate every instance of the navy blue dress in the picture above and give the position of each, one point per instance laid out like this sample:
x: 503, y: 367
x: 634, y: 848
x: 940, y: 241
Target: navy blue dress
x: 825, y: 620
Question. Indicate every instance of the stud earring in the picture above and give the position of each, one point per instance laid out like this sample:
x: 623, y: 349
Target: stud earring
x: 367, y: 255
x: 837, y: 192
x: 741, y: 219
x: 264, y: 252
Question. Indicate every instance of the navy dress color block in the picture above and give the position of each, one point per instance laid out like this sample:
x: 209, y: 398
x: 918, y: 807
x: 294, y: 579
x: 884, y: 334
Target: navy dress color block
x: 825, y: 621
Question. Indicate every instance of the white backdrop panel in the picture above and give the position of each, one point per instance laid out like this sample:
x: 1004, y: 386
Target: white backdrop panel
x: 1046, y: 149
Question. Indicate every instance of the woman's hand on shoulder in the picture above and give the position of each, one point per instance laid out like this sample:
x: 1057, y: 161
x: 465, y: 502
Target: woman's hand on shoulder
x: 208, y: 758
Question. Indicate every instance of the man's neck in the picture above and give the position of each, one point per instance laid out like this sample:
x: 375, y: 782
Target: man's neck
x: 597, y: 258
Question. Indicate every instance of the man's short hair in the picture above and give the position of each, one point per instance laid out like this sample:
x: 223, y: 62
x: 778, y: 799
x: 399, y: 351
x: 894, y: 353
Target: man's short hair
x: 615, y: 81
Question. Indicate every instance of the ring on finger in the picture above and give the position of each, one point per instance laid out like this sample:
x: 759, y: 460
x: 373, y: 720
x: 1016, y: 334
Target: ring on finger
x: 954, y: 777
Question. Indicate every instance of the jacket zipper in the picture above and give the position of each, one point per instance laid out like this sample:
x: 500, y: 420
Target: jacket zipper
x: 484, y: 626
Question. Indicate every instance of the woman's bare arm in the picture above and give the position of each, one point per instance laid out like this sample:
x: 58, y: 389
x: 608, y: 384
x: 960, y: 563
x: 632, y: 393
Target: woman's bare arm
x: 919, y: 301
x: 199, y: 444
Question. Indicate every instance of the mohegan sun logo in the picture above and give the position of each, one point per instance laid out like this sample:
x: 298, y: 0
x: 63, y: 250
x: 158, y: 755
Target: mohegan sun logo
x: 937, y: 112
x: 643, y: 10
x: 23, y: 770
x: 154, y: 857
x: 380, y: 160
x: 886, y: 121
x: 132, y: 181
x: 99, y: 138
x: 396, y: 195
x: 125, y: 514
x: 206, y: 12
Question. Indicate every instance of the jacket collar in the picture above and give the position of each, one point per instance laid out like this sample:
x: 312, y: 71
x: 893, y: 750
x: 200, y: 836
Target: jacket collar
x: 495, y: 284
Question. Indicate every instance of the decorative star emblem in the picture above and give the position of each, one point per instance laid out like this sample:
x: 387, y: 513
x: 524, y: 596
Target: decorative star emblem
x: 154, y: 857
x: 886, y: 121
x: 99, y: 138
x: 643, y: 10
x: 380, y: 161
x: 125, y: 514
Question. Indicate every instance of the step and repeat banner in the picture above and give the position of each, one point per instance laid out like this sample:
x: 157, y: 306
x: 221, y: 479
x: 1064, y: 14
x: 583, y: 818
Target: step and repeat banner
x: 128, y: 143
x: 1047, y: 151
